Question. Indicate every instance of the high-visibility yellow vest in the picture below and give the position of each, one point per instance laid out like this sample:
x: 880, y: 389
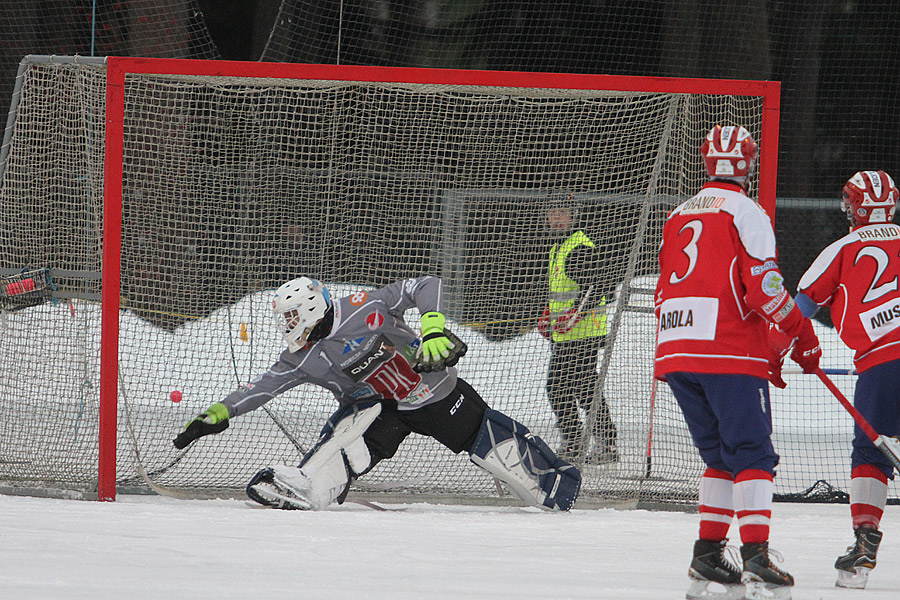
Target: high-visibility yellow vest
x: 564, y: 292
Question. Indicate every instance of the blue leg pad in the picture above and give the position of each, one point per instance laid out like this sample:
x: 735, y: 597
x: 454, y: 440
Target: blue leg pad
x: 525, y: 463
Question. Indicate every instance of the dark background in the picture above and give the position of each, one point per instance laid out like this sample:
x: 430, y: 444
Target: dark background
x: 837, y: 60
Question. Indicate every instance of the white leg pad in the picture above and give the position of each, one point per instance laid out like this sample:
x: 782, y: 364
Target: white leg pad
x: 505, y: 463
x: 323, y: 474
x: 347, y: 438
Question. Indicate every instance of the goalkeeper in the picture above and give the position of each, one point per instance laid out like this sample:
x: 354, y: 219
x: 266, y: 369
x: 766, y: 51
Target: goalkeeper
x: 389, y: 383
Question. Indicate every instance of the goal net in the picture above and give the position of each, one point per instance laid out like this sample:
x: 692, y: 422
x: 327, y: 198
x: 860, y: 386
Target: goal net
x: 164, y: 200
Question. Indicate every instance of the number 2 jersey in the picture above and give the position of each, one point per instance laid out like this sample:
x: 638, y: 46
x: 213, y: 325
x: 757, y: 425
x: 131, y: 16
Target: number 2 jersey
x: 719, y: 286
x: 858, y: 277
x: 367, y: 355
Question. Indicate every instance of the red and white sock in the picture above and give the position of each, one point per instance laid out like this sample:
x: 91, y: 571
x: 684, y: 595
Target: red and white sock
x: 753, y: 504
x: 868, y: 495
x: 716, y: 505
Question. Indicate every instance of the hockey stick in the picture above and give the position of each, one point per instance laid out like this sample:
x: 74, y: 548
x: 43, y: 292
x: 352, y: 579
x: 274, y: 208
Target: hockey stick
x: 581, y: 304
x: 649, y: 463
x: 278, y: 423
x: 826, y: 371
x: 577, y: 315
x: 888, y: 446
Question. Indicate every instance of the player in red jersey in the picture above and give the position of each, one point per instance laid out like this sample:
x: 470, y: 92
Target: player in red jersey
x: 858, y: 277
x: 719, y: 293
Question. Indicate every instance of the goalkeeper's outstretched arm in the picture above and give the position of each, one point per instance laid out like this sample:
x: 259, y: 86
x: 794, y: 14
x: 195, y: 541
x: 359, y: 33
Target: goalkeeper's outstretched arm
x: 215, y: 419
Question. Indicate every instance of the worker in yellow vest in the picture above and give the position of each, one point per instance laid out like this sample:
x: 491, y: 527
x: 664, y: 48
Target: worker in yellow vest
x: 575, y: 323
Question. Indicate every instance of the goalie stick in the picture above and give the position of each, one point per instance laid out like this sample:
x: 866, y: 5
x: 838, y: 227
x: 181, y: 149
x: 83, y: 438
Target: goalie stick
x: 888, y: 446
x: 360, y: 502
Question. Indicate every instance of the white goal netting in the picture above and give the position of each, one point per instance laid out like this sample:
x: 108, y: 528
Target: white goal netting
x: 233, y: 185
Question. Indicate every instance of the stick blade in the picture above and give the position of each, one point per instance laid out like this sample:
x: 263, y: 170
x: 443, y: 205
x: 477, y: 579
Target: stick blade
x: 890, y: 447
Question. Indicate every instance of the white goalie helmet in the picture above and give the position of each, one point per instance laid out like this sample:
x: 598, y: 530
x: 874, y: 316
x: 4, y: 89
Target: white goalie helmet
x: 300, y: 304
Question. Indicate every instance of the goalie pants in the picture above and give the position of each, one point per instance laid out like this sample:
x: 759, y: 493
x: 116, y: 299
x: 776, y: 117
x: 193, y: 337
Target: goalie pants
x: 454, y: 421
x: 572, y: 382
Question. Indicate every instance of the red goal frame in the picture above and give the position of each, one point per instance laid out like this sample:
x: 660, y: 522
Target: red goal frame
x: 118, y: 68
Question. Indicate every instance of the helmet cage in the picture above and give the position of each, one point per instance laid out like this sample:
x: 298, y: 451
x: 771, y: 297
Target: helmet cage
x: 869, y: 197
x: 300, y: 304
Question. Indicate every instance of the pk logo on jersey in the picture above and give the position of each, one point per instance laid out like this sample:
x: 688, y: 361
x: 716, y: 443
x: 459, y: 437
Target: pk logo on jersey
x: 375, y: 320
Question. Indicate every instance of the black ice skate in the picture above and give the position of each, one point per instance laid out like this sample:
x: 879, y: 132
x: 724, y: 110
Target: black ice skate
x: 712, y: 574
x: 854, y: 566
x: 762, y: 578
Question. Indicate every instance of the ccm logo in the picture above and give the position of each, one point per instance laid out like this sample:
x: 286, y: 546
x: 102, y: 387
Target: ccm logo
x: 456, y: 406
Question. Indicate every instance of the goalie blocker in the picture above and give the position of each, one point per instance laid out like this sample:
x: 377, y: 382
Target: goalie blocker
x: 354, y: 440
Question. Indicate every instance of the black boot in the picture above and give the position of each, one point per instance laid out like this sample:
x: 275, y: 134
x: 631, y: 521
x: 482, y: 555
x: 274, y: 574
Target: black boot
x: 710, y: 565
x: 760, y: 574
x: 854, y: 566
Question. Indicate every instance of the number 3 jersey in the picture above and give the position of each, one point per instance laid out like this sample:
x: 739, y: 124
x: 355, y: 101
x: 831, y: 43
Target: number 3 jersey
x: 719, y: 286
x: 858, y: 277
x: 367, y: 355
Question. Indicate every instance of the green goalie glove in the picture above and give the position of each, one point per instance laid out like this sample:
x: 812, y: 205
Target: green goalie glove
x: 213, y: 420
x: 440, y: 348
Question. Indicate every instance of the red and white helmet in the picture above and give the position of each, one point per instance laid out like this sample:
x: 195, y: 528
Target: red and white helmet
x: 869, y: 197
x: 729, y: 152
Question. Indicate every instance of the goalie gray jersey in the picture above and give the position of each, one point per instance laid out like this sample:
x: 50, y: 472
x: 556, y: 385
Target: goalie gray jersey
x: 367, y: 355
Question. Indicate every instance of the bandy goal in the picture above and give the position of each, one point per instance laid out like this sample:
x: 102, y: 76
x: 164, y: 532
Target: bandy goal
x: 165, y: 200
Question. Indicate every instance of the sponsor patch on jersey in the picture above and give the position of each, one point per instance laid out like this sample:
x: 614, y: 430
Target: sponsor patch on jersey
x: 702, y: 204
x: 352, y: 345
x: 358, y: 298
x: 382, y: 351
x: 363, y: 392
x: 411, y: 349
x: 774, y: 303
x: 785, y: 310
x: 766, y: 266
x: 772, y: 283
x: 881, y: 320
x: 385, y: 371
x: 690, y: 318
x: 375, y: 320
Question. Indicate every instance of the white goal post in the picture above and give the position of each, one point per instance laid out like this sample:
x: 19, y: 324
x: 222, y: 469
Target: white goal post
x: 180, y: 193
